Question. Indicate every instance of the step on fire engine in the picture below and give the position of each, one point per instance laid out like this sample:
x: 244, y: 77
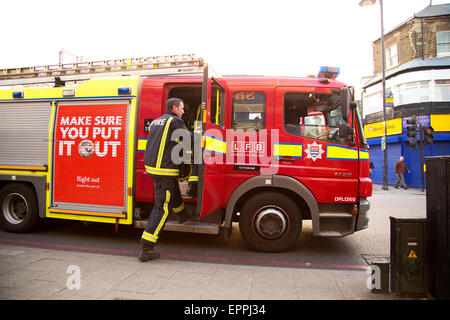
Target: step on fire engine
x: 274, y: 151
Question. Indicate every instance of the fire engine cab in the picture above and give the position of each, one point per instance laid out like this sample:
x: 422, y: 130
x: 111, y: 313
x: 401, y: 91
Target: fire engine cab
x: 271, y: 151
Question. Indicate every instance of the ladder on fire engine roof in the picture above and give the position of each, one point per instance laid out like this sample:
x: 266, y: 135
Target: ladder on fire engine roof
x: 183, y: 64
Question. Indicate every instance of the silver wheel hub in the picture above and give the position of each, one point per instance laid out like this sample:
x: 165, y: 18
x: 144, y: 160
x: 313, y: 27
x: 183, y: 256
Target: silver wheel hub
x: 15, y: 208
x: 271, y: 222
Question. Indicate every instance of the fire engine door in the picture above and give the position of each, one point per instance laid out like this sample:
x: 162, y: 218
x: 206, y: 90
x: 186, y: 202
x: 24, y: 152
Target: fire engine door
x: 310, y: 148
x: 90, y: 158
x: 212, y: 168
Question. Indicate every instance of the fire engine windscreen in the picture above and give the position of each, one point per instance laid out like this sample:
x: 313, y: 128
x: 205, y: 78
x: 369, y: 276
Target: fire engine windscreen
x: 313, y: 115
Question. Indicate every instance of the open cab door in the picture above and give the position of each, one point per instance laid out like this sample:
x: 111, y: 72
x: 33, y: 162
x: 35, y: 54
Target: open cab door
x: 211, y: 158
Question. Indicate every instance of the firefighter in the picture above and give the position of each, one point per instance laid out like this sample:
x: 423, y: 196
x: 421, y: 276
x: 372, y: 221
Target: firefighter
x: 164, y: 172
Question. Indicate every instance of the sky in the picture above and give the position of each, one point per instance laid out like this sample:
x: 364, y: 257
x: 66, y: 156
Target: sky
x: 277, y: 37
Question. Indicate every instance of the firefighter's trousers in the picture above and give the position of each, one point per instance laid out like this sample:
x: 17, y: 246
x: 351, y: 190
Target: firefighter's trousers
x: 193, y: 178
x: 167, y: 199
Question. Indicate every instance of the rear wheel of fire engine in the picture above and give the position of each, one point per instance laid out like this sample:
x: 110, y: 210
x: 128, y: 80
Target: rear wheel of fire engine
x: 270, y: 222
x: 18, y: 208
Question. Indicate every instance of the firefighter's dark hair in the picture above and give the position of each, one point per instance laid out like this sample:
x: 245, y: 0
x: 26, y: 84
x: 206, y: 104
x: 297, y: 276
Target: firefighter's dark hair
x: 172, y: 102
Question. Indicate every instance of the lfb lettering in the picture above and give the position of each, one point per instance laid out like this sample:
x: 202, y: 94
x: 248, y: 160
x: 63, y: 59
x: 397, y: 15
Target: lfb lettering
x: 374, y: 280
x: 239, y: 146
x: 74, y: 280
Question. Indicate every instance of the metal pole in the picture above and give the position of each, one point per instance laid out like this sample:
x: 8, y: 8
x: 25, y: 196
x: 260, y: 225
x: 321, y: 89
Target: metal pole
x: 423, y: 39
x: 421, y: 157
x: 385, y: 161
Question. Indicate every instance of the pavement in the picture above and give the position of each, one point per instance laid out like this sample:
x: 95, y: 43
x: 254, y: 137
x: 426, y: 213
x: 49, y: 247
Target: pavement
x: 29, y: 273
x: 58, y: 273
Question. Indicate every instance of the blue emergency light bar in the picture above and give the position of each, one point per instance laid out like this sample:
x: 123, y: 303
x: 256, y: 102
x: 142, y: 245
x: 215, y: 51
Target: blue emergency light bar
x: 124, y: 91
x: 328, y: 72
x: 18, y: 94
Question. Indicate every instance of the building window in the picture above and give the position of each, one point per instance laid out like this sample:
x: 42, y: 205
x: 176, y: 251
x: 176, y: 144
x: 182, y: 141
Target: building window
x: 373, y: 103
x: 443, y: 43
x: 442, y: 90
x: 249, y: 110
x: 391, y: 57
x: 413, y: 92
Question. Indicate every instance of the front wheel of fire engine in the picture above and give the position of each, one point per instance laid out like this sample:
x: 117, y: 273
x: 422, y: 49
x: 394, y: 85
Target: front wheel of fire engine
x: 18, y: 208
x: 270, y: 222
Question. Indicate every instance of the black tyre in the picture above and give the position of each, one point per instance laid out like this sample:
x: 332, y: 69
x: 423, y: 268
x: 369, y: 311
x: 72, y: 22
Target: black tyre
x: 18, y: 208
x: 270, y: 222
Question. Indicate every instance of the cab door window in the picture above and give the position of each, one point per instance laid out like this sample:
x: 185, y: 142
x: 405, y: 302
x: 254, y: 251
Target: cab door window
x: 249, y: 110
x: 313, y: 115
x: 217, y: 106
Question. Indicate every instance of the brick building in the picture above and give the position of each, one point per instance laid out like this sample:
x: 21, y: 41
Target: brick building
x: 415, y: 39
x: 417, y: 56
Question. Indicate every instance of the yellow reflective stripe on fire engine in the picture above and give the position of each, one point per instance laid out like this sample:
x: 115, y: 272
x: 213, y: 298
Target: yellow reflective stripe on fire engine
x: 294, y: 150
x: 363, y: 155
x: 179, y: 209
x: 193, y: 179
x: 142, y: 144
x: 215, y: 145
x: 162, y: 171
x: 23, y: 168
x: 100, y: 87
x: 345, y: 153
x: 163, y: 143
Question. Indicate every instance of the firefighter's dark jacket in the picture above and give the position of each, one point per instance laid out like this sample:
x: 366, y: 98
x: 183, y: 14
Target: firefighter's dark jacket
x: 157, y: 158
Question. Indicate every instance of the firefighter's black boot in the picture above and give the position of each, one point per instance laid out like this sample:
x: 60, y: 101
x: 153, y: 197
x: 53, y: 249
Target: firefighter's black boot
x: 147, y: 253
x: 185, y: 215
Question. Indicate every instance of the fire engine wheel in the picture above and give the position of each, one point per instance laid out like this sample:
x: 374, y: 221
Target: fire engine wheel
x: 19, y: 210
x: 270, y: 222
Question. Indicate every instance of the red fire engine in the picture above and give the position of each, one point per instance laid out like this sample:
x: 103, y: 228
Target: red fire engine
x: 274, y: 151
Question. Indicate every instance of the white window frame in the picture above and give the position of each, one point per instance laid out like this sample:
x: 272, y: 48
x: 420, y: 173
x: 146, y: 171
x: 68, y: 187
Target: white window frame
x: 413, y: 92
x: 391, y: 57
x: 373, y: 103
x: 442, y: 90
x: 443, y: 43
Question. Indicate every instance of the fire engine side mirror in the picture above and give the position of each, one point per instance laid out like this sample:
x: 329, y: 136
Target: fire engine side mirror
x: 345, y: 130
x: 346, y: 103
